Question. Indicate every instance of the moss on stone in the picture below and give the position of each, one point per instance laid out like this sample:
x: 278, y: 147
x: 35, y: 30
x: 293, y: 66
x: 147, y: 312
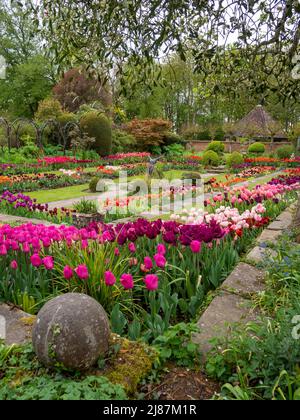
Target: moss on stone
x: 28, y: 320
x: 131, y: 364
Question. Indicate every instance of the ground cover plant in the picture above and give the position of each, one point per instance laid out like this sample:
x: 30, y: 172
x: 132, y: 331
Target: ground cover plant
x: 261, y: 361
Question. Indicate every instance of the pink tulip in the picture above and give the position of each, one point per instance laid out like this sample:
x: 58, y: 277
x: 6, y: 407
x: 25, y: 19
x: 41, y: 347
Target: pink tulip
x: 160, y: 260
x: 161, y: 249
x: 117, y: 252
x: 14, y: 265
x: 151, y: 281
x: 109, y: 278
x: 3, y: 250
x: 84, y: 244
x: 82, y: 272
x: 195, y: 247
x: 48, y: 262
x: 148, y: 263
x: 36, y: 260
x: 26, y: 247
x: 127, y: 281
x: 132, y: 247
x: 68, y: 272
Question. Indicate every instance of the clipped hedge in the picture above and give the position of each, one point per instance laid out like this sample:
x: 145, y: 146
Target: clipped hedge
x: 97, y: 125
x: 234, y: 158
x: 285, y: 152
x: 210, y: 158
x: 257, y: 148
x: 216, y: 146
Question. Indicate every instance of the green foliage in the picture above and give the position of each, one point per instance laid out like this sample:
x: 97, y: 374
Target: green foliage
x: 210, y: 158
x: 98, y: 126
x: 23, y: 378
x: 86, y: 206
x: 262, y: 359
x: 122, y: 141
x: 48, y: 109
x: 176, y: 344
x: 93, y: 184
x: 28, y: 84
x: 233, y: 159
x: 216, y: 146
x: 191, y: 175
x: 285, y: 152
x: 66, y: 117
x: 172, y: 138
x: 174, y: 150
x: 257, y: 148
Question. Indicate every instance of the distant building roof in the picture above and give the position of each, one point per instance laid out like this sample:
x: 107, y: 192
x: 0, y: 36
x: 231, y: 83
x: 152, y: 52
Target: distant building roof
x: 258, y: 124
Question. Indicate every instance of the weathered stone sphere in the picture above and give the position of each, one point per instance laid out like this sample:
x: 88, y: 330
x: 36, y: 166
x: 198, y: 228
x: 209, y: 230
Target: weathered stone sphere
x: 72, y: 331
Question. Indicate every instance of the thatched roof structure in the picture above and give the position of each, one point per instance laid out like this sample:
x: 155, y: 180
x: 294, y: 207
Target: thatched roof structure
x: 259, y: 124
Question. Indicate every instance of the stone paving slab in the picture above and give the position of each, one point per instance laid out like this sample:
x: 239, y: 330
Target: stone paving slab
x: 284, y: 221
x: 259, y: 253
x: 224, y: 310
x: 244, y: 280
x: 269, y: 235
x: 18, y: 325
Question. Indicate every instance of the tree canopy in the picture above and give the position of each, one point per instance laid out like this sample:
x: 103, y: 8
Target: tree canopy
x: 106, y: 34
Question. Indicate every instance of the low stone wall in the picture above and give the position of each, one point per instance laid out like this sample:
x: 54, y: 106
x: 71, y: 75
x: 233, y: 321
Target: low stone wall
x: 232, y: 146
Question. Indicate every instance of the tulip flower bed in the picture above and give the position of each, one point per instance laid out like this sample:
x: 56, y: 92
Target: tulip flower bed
x: 147, y: 275
x: 27, y: 182
x: 22, y: 205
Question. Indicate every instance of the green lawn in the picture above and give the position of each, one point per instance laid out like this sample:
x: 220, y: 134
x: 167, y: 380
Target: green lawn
x: 75, y: 191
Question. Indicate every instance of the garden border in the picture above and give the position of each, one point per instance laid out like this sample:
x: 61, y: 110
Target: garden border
x: 232, y: 303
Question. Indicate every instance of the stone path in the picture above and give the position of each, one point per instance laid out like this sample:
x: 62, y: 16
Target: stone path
x: 7, y: 219
x: 123, y: 188
x: 232, y: 303
x: 15, y: 325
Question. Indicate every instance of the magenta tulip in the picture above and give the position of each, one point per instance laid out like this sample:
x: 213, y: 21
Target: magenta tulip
x: 36, y: 260
x: 48, y: 262
x: 148, y: 264
x: 127, y: 281
x: 109, y: 278
x: 161, y: 249
x: 195, y: 247
x: 82, y: 272
x: 151, y: 281
x: 160, y: 260
x: 68, y: 272
x: 14, y: 265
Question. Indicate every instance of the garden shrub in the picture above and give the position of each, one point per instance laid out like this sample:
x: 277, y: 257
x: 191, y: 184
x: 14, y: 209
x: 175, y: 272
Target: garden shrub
x: 220, y: 133
x: 285, y: 152
x: 210, y: 158
x: 174, y: 150
x: 216, y: 146
x: 149, y: 133
x: 172, y: 138
x: 65, y: 118
x: 93, y: 184
x: 48, y: 109
x: 98, y: 126
x: 122, y: 142
x: 257, y: 148
x: 191, y: 175
x: 234, y: 159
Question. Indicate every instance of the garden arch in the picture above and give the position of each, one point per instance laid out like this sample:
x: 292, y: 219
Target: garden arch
x: 18, y: 124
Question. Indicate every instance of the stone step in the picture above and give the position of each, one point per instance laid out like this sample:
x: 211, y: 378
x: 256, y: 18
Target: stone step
x: 15, y: 325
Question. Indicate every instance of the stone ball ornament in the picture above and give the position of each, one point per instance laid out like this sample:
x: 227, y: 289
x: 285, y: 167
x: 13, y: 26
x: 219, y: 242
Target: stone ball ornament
x: 72, y: 331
